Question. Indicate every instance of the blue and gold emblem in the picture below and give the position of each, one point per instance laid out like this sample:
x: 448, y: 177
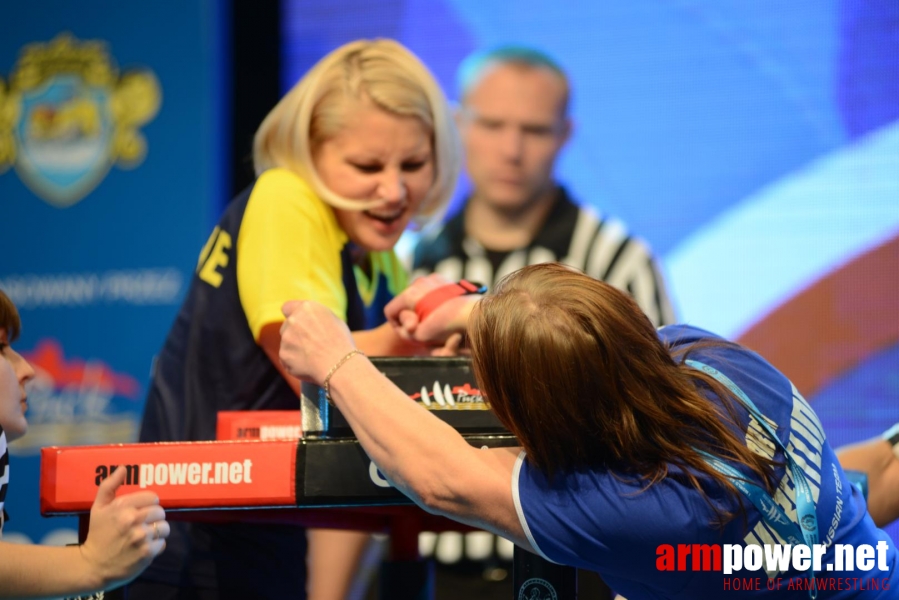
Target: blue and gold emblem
x: 67, y: 115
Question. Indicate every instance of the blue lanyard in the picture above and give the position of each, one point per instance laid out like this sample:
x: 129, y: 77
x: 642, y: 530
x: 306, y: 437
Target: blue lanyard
x: 771, y: 512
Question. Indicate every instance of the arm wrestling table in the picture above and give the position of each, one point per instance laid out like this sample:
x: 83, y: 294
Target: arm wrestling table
x: 258, y: 471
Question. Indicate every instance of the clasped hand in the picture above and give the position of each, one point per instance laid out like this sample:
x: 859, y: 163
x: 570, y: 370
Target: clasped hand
x: 126, y: 532
x: 313, y: 339
x: 442, y: 326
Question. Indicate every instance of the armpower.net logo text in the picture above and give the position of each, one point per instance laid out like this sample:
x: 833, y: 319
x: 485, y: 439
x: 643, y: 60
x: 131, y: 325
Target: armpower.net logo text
x: 181, y: 473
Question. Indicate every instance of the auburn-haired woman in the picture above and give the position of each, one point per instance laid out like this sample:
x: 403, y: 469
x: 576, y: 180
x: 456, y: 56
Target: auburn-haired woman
x: 634, y: 441
x: 360, y: 147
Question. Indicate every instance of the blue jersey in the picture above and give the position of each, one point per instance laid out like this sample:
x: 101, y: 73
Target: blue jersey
x: 608, y: 522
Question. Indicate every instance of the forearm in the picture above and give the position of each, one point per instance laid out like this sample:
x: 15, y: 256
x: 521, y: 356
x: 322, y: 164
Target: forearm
x: 30, y: 571
x: 466, y: 305
x: 384, y: 341
x: 875, y: 458
x: 381, y: 341
x: 420, y: 454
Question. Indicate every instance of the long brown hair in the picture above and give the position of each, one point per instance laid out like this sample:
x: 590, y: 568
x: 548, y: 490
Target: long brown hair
x: 577, y: 372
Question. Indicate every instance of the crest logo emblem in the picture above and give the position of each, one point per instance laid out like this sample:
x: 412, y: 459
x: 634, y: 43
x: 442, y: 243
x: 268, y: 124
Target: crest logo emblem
x: 67, y: 115
x: 537, y: 589
x: 809, y: 522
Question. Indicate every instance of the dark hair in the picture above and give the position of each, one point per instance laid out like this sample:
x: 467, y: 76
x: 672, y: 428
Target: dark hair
x: 577, y: 372
x: 9, y: 317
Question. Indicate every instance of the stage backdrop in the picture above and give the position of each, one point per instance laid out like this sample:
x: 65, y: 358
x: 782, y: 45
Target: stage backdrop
x: 111, y: 129
x: 755, y: 145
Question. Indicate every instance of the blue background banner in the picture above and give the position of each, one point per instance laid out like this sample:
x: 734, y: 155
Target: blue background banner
x: 754, y: 145
x: 116, y: 176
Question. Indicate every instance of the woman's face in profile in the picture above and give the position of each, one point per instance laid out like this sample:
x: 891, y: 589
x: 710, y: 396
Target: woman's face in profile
x: 378, y: 156
x: 14, y: 373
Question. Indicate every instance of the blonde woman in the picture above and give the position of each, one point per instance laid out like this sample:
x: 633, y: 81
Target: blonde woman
x: 360, y: 148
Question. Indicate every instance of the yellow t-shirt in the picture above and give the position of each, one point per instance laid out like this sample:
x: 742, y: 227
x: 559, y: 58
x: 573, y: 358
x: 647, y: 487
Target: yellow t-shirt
x: 289, y: 248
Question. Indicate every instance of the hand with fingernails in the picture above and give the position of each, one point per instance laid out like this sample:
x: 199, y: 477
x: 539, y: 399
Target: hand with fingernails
x: 126, y: 532
x: 313, y: 340
x: 445, y: 322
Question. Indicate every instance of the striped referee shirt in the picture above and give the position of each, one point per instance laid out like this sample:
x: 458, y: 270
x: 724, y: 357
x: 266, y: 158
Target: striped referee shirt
x: 577, y: 236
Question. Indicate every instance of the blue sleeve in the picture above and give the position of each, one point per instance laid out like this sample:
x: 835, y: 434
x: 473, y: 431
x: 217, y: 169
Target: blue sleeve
x: 523, y: 486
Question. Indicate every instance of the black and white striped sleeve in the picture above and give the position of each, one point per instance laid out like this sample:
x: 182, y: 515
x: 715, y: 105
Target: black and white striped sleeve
x: 603, y: 248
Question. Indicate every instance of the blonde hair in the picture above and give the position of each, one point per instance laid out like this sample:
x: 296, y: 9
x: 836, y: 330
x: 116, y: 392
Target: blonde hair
x: 381, y: 71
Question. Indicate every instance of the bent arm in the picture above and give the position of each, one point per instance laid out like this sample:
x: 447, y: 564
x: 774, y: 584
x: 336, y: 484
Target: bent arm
x: 424, y: 457
x: 381, y: 341
x: 875, y: 458
x: 126, y: 533
x: 333, y: 556
x: 421, y: 455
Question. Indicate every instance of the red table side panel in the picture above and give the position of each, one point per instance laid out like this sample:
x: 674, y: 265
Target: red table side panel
x: 259, y: 425
x: 183, y: 474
